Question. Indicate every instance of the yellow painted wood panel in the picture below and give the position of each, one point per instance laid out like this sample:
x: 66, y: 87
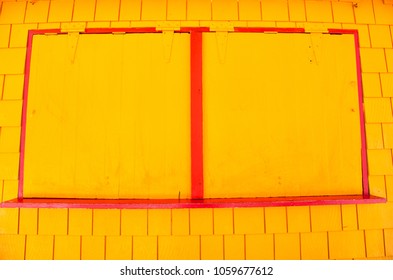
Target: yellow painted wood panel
x: 52, y: 221
x: 314, y: 246
x: 371, y: 85
x: 10, y: 189
x: 346, y: 245
x: 276, y: 219
x: 377, y: 185
x: 343, y: 12
x: 389, y: 188
x: 144, y: 248
x: 380, y: 36
x: 234, y: 247
x: 201, y: 221
x: 130, y: 9
x: 93, y: 248
x: 12, y: 12
x: 13, y: 87
x: 84, y: 10
x: 9, y: 165
x: 388, y: 236
x: 60, y: 11
x: 225, y: 10
x: 249, y: 10
x: 259, y: 247
x: 154, y: 9
x: 364, y: 12
x: 375, y: 246
x: 180, y: 221
x: 383, y: 13
x: 12, y: 247
x: 249, y: 138
x: 319, y: 11
x: 134, y: 222
x: 5, y: 30
x: 364, y: 37
x: 28, y: 221
x: 223, y: 220
x: 387, y: 84
x: 380, y: 162
x: 374, y: 136
x: 249, y: 220
x: 159, y: 221
x: 67, y: 248
x: 298, y: 219
x: 106, y: 222
x: 372, y: 60
x: 107, y: 10
x: 178, y: 248
x: 177, y: 9
x: 13, y: 61
x: 10, y: 112
x: 297, y: 11
x: 375, y: 216
x: 118, y: 248
x: 37, y: 11
x: 141, y: 137
x: 349, y: 217
x: 80, y: 221
x: 39, y: 247
x: 9, y: 219
x: 389, y: 59
x: 199, y: 10
x: 326, y: 218
x: 287, y: 246
x: 275, y: 10
x: 9, y: 139
x: 19, y: 34
x: 212, y: 247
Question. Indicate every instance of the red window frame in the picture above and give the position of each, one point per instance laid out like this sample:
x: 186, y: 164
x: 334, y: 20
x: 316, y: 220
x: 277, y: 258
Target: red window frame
x: 197, y: 200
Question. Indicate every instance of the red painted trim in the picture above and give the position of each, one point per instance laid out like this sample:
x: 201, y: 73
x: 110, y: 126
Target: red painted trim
x: 269, y: 29
x: 194, y: 29
x: 190, y: 203
x: 125, y: 30
x: 196, y: 116
x: 366, y: 188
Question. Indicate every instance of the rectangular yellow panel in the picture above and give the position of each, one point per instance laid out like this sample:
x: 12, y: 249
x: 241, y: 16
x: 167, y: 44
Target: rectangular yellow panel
x: 12, y: 12
x: 60, y: 10
x: 5, y: 30
x: 343, y: 12
x: 298, y: 219
x: 364, y: 12
x: 374, y: 136
x: 178, y: 248
x: 201, y: 221
x: 287, y: 246
x: 106, y: 222
x: 319, y: 11
x: 371, y: 85
x: 389, y: 188
x: 326, y: 218
x: 234, y: 247
x: 380, y: 36
x: 13, y: 87
x: 375, y: 216
x: 177, y: 9
x: 52, y: 221
x: 225, y: 10
x: 118, y: 248
x: 134, y: 222
x: 276, y: 219
x: 9, y: 139
x: 159, y: 221
x: 387, y: 84
x: 141, y: 130
x: 249, y: 220
x: 389, y: 59
x: 9, y: 220
x: 378, y: 110
x: 380, y: 162
x: 259, y: 247
x: 130, y: 10
x: 375, y: 246
x: 297, y: 10
x: 249, y: 10
x: 377, y: 185
x: 93, y: 248
x: 383, y: 13
x: 373, y: 60
x: 9, y: 163
x: 28, y: 221
x: 37, y: 11
x: 154, y: 10
x: 12, y: 247
x: 180, y: 221
x: 199, y: 10
x: 107, y: 10
x: 39, y: 247
x: 80, y: 222
x: 67, y: 248
x: 388, y: 235
x: 223, y: 220
x: 266, y: 137
x: 346, y: 245
x: 144, y: 248
x: 84, y: 10
x: 275, y: 10
x: 10, y: 113
x: 13, y: 61
x: 349, y: 217
x: 314, y: 246
x: 212, y: 247
x: 10, y: 189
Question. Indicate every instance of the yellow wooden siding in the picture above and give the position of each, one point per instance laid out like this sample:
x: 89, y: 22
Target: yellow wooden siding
x: 336, y: 232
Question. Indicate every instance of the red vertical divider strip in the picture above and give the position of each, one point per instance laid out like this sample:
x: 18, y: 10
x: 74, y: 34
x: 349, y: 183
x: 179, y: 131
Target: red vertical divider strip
x: 196, y: 116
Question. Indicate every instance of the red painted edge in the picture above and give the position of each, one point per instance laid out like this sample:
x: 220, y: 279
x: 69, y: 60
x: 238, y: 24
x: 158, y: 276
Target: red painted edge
x: 269, y: 29
x: 366, y: 188
x: 194, y: 29
x: 190, y: 203
x: 125, y: 30
x: 196, y: 116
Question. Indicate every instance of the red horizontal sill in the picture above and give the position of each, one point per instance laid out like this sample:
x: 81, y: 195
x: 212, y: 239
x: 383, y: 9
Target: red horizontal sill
x: 189, y: 203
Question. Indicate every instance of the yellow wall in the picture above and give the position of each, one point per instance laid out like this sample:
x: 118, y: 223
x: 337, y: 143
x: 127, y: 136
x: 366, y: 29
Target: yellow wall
x: 321, y: 232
